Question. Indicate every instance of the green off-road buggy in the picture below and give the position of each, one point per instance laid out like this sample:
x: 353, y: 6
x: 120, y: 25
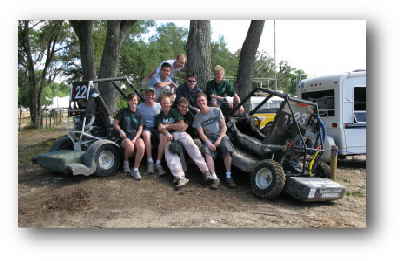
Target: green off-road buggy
x: 286, y: 154
x: 92, y: 147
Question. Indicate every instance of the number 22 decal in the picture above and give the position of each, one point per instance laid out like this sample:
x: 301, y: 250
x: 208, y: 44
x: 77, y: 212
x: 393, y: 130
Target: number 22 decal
x: 81, y: 92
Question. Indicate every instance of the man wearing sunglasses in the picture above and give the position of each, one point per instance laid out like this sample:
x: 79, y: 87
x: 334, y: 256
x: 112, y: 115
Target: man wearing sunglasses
x: 189, y: 90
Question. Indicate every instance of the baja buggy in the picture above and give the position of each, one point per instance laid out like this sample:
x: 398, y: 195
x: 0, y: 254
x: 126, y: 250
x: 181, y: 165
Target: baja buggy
x: 285, y: 155
x: 92, y: 146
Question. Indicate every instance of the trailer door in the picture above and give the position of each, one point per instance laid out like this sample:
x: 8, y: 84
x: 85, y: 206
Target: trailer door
x: 355, y: 119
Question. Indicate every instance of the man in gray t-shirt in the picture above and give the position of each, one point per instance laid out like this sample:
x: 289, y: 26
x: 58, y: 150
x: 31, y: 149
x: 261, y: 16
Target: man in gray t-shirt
x: 211, y: 127
x: 148, y: 113
x: 209, y: 122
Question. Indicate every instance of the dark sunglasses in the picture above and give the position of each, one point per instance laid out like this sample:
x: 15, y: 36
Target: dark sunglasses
x: 191, y: 81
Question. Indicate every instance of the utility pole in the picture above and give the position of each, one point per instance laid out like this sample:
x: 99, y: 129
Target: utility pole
x: 276, y: 79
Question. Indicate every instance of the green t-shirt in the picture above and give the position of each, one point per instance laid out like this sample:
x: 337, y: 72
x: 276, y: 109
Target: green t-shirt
x: 172, y: 117
x: 220, y: 89
x: 129, y: 121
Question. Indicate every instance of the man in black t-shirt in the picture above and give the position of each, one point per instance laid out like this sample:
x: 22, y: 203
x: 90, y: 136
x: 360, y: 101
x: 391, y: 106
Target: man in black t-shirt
x: 187, y: 114
x: 129, y: 124
x: 172, y: 127
x: 189, y: 90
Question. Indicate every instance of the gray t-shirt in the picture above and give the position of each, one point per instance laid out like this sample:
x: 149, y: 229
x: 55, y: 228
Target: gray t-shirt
x: 209, y: 121
x: 149, y: 114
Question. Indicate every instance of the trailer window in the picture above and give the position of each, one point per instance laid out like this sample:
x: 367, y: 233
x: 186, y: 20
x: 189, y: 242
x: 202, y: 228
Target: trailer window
x: 360, y: 99
x: 360, y: 104
x: 324, y: 99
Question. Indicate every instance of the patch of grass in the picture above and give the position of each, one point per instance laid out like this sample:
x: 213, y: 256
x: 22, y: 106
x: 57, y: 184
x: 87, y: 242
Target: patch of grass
x: 26, y: 154
x: 354, y: 194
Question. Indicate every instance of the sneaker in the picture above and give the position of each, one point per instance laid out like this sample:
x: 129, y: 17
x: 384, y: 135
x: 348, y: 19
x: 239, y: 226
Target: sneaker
x: 206, y: 177
x: 230, y: 183
x: 126, y: 167
x: 159, y: 170
x: 182, y: 182
x: 136, y: 174
x: 214, y: 184
x: 150, y: 168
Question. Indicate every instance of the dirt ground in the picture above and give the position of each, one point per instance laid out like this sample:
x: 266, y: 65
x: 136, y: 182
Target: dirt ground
x: 47, y: 200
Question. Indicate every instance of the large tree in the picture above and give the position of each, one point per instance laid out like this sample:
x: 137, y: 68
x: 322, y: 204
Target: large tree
x: 38, y: 45
x: 84, y: 30
x: 117, y: 32
x: 199, y: 50
x: 248, y: 57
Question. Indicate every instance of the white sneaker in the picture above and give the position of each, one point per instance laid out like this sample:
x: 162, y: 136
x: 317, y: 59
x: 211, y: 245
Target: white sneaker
x: 182, y: 182
x: 126, y: 167
x: 136, y: 174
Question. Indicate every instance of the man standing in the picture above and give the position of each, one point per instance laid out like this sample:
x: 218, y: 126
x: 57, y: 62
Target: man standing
x: 176, y: 66
x: 211, y: 127
x: 129, y: 124
x: 172, y: 127
x: 162, y: 82
x: 189, y: 90
x: 148, y: 110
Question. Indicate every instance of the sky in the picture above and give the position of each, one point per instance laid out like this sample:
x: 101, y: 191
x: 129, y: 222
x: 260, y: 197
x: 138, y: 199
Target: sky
x: 319, y: 47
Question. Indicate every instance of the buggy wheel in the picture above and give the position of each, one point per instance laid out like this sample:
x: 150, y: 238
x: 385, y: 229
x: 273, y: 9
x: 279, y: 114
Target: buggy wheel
x: 268, y: 179
x: 323, y: 170
x: 63, y: 143
x: 107, y: 159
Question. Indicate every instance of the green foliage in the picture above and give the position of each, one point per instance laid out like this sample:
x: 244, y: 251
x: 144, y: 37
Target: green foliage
x: 40, y: 35
x: 220, y: 55
x: 141, y: 56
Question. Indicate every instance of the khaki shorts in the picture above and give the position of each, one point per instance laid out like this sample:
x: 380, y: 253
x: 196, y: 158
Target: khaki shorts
x: 225, y: 148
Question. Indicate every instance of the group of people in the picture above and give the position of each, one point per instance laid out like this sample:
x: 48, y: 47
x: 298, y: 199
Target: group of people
x: 178, y: 116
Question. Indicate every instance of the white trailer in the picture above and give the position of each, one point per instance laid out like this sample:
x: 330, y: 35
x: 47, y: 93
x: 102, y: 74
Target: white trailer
x: 342, y: 105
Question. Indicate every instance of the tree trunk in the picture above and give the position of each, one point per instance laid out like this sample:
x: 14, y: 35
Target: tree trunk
x: 33, y: 110
x: 198, y: 51
x: 117, y: 31
x: 247, y: 58
x: 83, y: 29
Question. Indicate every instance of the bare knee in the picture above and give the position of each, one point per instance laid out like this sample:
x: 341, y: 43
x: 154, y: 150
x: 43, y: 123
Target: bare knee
x: 146, y: 137
x: 140, y: 145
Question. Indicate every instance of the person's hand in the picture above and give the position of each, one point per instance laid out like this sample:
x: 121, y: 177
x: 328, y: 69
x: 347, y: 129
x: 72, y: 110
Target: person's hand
x: 122, y: 134
x: 217, y: 142
x: 172, y: 85
x: 134, y: 140
x: 169, y: 136
x: 211, y: 146
x: 162, y: 127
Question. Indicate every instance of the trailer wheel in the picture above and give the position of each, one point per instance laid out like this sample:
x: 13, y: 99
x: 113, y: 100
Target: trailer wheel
x: 107, y: 158
x: 63, y: 143
x: 268, y: 180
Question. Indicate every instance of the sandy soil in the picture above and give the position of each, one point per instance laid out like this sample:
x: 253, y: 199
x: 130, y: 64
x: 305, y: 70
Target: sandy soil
x: 60, y: 201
